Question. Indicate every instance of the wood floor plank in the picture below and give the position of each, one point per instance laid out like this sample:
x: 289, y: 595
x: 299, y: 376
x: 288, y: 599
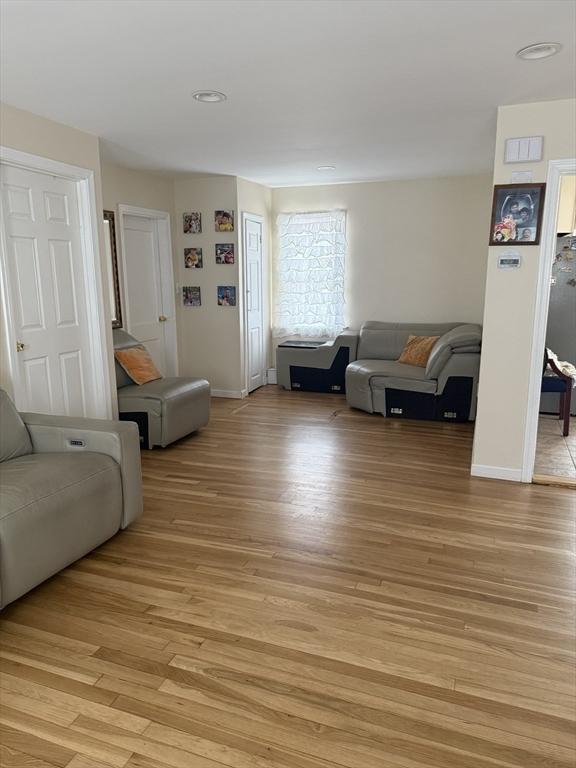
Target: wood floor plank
x: 309, y: 587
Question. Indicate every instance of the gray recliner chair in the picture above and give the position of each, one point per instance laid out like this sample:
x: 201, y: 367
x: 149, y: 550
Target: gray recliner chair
x: 67, y: 485
x: 173, y: 407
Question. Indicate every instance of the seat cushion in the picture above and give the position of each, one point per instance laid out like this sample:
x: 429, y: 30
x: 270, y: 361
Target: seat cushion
x: 14, y: 438
x: 167, y: 389
x: 54, y: 508
x: 391, y: 368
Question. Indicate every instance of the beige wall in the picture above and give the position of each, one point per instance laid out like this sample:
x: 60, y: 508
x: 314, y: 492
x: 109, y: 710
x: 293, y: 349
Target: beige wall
x: 509, y: 311
x: 36, y: 135
x: 209, y: 336
x: 129, y: 187
x: 255, y: 198
x: 416, y: 249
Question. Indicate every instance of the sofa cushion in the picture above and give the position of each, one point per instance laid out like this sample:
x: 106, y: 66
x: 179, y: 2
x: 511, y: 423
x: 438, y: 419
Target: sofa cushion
x: 14, y: 438
x: 138, y: 364
x: 417, y: 350
x: 171, y: 388
x: 123, y: 340
x: 54, y: 508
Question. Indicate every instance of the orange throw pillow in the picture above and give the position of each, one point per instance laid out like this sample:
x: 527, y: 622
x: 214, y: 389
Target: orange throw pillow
x: 417, y: 350
x: 138, y: 364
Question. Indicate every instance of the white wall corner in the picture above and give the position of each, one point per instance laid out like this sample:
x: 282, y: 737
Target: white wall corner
x: 497, y: 473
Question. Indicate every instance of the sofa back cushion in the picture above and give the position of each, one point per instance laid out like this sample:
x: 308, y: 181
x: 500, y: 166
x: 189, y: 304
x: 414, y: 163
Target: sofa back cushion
x: 385, y: 341
x: 123, y: 340
x: 14, y: 438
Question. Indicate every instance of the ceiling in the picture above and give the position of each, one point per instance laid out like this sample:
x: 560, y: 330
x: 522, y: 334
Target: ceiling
x: 382, y: 89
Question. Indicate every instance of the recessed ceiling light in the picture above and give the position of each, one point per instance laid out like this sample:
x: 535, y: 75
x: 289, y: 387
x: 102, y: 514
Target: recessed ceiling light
x: 538, y: 51
x: 209, y: 97
x: 326, y: 168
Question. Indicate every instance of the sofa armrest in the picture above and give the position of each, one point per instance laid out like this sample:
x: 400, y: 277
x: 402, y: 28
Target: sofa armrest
x: 465, y: 338
x: 117, y: 439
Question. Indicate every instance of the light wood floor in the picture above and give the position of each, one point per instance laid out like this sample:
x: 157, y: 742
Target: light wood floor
x: 309, y: 587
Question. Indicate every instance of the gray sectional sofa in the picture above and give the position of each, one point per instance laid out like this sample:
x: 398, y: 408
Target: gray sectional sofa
x: 66, y: 486
x: 446, y: 389
x: 364, y: 364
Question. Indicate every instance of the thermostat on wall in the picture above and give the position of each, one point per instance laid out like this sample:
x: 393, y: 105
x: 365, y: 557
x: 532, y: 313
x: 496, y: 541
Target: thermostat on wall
x: 509, y: 260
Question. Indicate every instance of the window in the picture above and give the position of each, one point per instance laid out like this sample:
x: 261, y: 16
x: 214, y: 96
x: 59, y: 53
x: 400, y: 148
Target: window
x: 309, y: 274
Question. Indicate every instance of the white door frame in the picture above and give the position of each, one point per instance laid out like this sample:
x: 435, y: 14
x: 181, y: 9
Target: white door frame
x: 162, y: 219
x: 556, y: 169
x: 96, y: 305
x: 247, y: 216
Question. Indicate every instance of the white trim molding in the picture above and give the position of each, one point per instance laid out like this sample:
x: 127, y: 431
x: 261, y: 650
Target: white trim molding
x: 556, y: 169
x: 234, y: 394
x: 99, y: 329
x: 496, y: 473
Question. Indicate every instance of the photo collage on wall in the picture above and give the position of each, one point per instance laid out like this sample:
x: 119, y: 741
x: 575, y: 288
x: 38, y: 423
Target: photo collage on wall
x: 224, y: 254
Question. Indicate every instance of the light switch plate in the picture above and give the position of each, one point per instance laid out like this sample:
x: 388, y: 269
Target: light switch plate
x: 524, y: 149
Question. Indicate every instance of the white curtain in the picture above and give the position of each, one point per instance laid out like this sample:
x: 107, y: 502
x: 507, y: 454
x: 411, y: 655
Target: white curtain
x: 309, y: 274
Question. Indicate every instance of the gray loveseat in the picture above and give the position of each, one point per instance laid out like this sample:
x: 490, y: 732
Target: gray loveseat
x: 66, y: 486
x: 445, y: 390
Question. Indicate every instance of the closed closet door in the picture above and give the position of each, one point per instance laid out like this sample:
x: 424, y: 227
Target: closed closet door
x: 46, y: 284
x: 254, y: 308
x: 146, y: 317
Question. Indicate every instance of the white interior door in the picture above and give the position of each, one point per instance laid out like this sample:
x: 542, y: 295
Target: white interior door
x: 254, y: 309
x: 145, y: 315
x: 46, y: 287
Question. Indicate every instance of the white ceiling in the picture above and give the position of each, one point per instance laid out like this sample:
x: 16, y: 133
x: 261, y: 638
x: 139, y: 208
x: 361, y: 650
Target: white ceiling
x: 379, y: 88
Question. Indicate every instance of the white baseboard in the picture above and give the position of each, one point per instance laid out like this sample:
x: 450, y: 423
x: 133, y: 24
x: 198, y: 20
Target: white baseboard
x: 236, y: 394
x: 496, y: 473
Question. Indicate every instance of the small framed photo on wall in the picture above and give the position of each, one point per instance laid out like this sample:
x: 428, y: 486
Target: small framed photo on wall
x: 192, y: 223
x: 226, y: 295
x: 191, y: 296
x: 224, y: 221
x: 517, y: 214
x: 224, y: 253
x: 193, y: 258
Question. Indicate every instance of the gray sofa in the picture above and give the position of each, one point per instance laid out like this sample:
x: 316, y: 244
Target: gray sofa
x: 446, y: 389
x: 66, y: 486
x: 173, y: 406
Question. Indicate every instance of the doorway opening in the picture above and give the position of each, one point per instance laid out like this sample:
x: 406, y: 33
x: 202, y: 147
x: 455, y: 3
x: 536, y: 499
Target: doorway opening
x: 549, y: 453
x: 556, y: 442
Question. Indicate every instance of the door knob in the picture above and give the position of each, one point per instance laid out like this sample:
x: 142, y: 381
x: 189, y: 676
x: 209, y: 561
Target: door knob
x: 162, y: 318
x: 20, y: 346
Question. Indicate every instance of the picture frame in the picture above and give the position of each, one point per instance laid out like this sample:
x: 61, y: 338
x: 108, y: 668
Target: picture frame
x: 224, y: 220
x: 224, y: 253
x: 112, y: 268
x: 192, y: 223
x: 193, y: 258
x: 517, y: 211
x: 226, y: 295
x: 191, y: 296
